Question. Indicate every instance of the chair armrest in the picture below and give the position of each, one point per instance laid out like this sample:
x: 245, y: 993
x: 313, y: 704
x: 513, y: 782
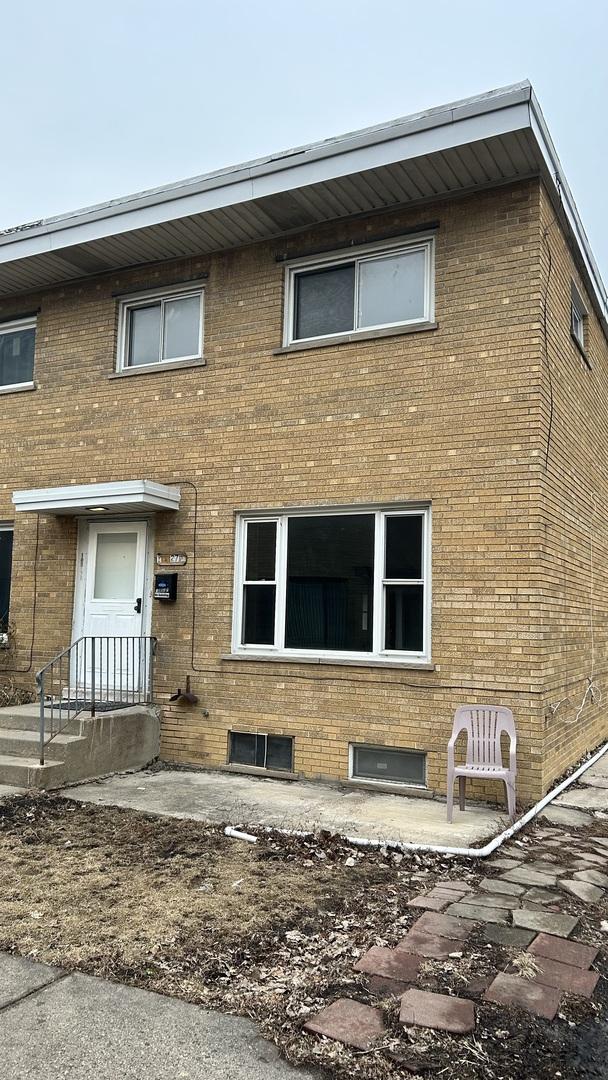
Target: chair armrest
x: 513, y: 753
x: 451, y: 746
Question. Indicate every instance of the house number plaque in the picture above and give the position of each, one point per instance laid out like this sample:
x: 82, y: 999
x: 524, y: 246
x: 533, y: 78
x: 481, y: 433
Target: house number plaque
x: 174, y: 558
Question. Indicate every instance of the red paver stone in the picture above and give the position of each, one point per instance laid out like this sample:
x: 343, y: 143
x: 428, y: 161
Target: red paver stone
x: 443, y: 925
x: 430, y: 945
x: 437, y: 1011
x: 432, y: 903
x: 461, y: 886
x: 531, y: 996
x: 392, y: 963
x: 573, y: 980
x: 565, y: 952
x: 348, y: 1022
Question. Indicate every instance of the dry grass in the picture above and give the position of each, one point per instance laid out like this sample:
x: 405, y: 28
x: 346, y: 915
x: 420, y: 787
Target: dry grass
x: 80, y: 883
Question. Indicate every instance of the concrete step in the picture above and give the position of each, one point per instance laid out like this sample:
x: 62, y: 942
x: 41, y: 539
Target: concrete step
x: 23, y: 717
x: 112, y: 741
x: 25, y: 743
x: 23, y: 772
x: 27, y: 718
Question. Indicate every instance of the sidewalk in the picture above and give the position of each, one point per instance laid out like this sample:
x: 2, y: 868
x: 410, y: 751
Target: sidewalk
x: 56, y: 1026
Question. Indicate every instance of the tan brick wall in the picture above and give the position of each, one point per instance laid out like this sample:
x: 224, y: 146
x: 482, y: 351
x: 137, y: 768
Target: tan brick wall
x: 455, y: 415
x: 574, y: 553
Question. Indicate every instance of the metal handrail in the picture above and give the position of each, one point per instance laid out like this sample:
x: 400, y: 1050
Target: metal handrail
x: 94, y: 674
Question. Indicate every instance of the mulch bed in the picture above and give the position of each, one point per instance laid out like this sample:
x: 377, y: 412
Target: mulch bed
x: 271, y: 931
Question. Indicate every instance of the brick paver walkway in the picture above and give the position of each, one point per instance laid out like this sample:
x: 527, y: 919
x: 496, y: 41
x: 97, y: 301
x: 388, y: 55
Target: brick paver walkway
x: 519, y: 905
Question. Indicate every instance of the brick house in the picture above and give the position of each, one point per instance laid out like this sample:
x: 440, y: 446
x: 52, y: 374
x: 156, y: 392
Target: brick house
x: 362, y: 388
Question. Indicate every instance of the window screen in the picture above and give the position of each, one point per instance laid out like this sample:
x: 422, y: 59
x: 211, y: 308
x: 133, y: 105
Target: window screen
x: 325, y: 302
x: 389, y: 764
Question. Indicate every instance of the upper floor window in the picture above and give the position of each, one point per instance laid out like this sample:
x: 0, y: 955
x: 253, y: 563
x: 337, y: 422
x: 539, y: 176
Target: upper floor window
x: 331, y: 584
x: 17, y: 342
x: 6, y: 562
x: 578, y: 316
x: 161, y: 328
x: 378, y: 287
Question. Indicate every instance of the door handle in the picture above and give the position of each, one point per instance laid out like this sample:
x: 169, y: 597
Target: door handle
x: 137, y: 606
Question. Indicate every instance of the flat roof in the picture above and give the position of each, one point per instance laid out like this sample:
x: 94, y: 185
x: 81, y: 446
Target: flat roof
x: 482, y: 141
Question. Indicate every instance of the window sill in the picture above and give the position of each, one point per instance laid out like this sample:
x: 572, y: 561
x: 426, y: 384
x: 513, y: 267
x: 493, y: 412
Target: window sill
x: 417, y: 665
x: 581, y: 350
x: 408, y: 790
x: 18, y: 388
x: 156, y: 369
x: 255, y: 770
x: 356, y: 335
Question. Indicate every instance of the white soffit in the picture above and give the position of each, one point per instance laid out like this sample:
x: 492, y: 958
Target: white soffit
x: 123, y: 496
x: 493, y: 138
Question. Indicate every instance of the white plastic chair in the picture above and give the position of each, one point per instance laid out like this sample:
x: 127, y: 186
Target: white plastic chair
x: 483, y: 725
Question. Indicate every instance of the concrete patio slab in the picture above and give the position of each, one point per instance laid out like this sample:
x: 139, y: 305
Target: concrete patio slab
x: 564, y: 815
x: 245, y: 800
x: 584, y: 798
x: 80, y: 1028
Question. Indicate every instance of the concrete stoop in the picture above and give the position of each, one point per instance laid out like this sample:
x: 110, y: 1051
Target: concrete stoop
x: 88, y: 747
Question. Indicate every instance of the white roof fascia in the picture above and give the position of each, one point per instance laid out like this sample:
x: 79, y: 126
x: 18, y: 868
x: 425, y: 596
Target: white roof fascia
x: 399, y: 141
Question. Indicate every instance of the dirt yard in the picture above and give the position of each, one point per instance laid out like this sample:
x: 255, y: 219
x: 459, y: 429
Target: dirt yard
x: 270, y: 930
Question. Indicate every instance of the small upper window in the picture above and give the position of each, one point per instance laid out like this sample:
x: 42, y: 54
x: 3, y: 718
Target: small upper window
x: 17, y: 341
x: 578, y: 316
x: 375, y: 289
x: 161, y: 328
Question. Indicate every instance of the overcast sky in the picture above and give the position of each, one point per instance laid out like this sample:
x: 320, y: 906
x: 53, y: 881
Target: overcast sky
x: 101, y: 100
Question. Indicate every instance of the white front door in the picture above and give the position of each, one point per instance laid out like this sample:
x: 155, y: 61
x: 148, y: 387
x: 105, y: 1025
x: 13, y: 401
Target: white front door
x: 114, y: 584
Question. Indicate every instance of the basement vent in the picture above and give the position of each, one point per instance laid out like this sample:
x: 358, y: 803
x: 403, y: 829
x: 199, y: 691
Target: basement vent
x: 388, y: 764
x: 262, y: 751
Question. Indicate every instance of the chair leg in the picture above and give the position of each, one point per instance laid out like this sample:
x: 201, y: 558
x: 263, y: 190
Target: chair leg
x: 462, y: 786
x: 450, y: 797
x: 510, y: 786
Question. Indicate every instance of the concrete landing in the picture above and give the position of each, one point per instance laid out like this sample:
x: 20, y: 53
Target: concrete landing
x: 245, y: 800
x: 55, y: 1026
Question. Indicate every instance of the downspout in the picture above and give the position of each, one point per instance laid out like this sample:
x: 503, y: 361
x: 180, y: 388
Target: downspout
x: 441, y: 849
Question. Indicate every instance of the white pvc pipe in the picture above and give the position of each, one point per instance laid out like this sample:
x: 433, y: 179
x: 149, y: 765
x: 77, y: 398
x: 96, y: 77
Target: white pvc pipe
x: 236, y: 834
x: 441, y: 849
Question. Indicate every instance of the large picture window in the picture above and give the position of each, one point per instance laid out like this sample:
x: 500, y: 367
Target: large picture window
x: 6, y: 562
x: 376, y: 288
x: 334, y: 584
x: 17, y: 341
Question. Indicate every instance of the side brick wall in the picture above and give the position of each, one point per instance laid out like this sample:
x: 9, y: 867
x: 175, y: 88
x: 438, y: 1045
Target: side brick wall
x: 574, y: 513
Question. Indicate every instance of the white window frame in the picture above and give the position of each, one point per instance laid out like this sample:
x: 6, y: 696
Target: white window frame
x: 578, y: 314
x: 358, y: 255
x: 144, y: 299
x: 10, y: 328
x: 378, y: 653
